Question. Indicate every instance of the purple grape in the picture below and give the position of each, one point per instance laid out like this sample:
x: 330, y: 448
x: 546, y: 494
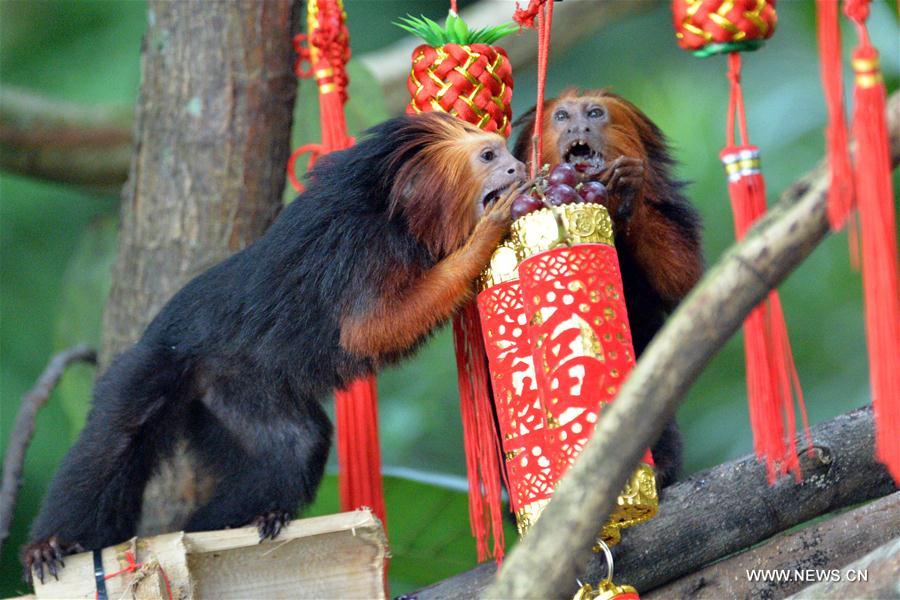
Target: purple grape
x: 560, y: 193
x: 594, y: 191
x: 523, y: 205
x: 565, y: 174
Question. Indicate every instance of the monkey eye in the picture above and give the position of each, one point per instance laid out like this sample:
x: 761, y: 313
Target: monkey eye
x: 488, y: 155
x: 595, y: 113
x: 561, y: 115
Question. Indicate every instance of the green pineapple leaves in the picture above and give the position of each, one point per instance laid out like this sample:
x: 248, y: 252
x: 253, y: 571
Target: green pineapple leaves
x: 454, y: 31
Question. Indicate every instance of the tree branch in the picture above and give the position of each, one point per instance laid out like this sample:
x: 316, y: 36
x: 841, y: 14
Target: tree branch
x: 23, y: 430
x: 706, y: 319
x: 827, y: 545
x: 63, y: 141
x: 719, y: 511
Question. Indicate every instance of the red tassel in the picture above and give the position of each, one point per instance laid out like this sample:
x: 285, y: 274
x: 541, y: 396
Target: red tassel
x: 358, y: 450
x: 772, y: 380
x: 356, y: 407
x: 875, y: 201
x: 840, y: 192
x: 480, y: 438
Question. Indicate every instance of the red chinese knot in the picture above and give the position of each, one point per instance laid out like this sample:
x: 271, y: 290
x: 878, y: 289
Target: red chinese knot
x: 708, y: 27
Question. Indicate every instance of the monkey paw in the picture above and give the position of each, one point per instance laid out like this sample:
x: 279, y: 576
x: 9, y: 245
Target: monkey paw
x: 624, y: 178
x: 49, y: 553
x: 271, y: 523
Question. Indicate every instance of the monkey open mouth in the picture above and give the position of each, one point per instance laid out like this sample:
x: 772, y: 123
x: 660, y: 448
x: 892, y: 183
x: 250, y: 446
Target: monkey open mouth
x: 492, y: 195
x: 581, y: 155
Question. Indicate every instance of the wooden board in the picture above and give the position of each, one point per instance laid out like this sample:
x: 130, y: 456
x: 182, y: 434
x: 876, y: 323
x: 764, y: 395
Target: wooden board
x: 335, y: 556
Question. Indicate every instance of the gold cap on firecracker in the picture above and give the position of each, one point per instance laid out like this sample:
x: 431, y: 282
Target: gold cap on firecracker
x: 561, y: 225
x: 638, y: 501
x: 503, y: 266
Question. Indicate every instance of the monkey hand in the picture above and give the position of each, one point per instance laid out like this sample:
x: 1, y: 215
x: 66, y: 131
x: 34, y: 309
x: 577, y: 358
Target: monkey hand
x: 49, y: 552
x: 624, y: 178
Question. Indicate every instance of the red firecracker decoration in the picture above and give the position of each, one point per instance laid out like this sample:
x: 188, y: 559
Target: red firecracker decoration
x: 520, y: 411
x: 326, y: 53
x: 580, y: 339
x: 709, y: 27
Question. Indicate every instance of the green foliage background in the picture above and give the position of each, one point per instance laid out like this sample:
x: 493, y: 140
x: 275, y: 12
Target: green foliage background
x: 57, y: 243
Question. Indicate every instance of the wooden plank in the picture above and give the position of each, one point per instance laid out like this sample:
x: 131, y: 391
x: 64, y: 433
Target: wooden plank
x: 335, y: 556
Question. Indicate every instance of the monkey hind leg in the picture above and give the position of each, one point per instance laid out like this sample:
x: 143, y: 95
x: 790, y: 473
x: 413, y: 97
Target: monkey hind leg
x: 266, y: 447
x: 667, y: 455
x: 94, y: 500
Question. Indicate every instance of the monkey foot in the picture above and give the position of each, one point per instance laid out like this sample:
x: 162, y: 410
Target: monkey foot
x: 49, y: 553
x: 271, y: 523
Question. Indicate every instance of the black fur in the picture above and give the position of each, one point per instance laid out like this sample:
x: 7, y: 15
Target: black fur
x: 239, y: 359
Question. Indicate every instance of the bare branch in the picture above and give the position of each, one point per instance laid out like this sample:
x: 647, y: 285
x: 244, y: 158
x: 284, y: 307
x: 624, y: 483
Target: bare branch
x: 23, y: 430
x: 64, y: 141
x: 706, y: 319
x: 572, y: 20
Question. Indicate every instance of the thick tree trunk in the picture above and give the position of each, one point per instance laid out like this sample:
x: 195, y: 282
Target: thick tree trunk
x: 212, y: 136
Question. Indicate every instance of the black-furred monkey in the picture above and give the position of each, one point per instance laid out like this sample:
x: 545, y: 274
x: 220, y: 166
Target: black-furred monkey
x: 657, y: 230
x: 381, y: 249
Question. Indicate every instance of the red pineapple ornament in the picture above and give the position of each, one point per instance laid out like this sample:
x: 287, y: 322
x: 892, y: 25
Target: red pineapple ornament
x: 460, y: 72
x: 709, y: 27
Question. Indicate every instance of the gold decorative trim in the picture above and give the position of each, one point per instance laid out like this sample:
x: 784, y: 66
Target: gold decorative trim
x: 503, y: 266
x: 529, y: 514
x: 638, y: 501
x: 549, y: 228
x: 605, y: 590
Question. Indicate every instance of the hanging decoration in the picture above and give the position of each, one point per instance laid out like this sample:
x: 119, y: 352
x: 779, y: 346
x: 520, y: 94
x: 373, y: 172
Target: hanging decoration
x: 605, y: 588
x: 866, y: 186
x: 708, y: 28
x: 323, y: 53
x: 459, y: 71
x: 559, y: 345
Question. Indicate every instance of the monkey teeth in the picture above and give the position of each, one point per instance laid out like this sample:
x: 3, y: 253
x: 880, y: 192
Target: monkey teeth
x: 579, y: 151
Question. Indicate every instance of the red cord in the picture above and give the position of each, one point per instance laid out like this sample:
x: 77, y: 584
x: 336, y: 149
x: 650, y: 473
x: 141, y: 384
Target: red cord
x: 545, y: 22
x: 133, y: 566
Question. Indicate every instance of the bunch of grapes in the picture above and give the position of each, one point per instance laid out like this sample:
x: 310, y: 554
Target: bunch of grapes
x: 560, y: 186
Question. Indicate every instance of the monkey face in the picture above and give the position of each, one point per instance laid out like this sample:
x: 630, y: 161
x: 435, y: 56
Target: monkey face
x: 495, y: 167
x: 579, y: 126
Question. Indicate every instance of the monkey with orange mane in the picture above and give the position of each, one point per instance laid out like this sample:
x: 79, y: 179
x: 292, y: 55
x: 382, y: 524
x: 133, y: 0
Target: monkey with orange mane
x: 381, y: 248
x: 657, y: 230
